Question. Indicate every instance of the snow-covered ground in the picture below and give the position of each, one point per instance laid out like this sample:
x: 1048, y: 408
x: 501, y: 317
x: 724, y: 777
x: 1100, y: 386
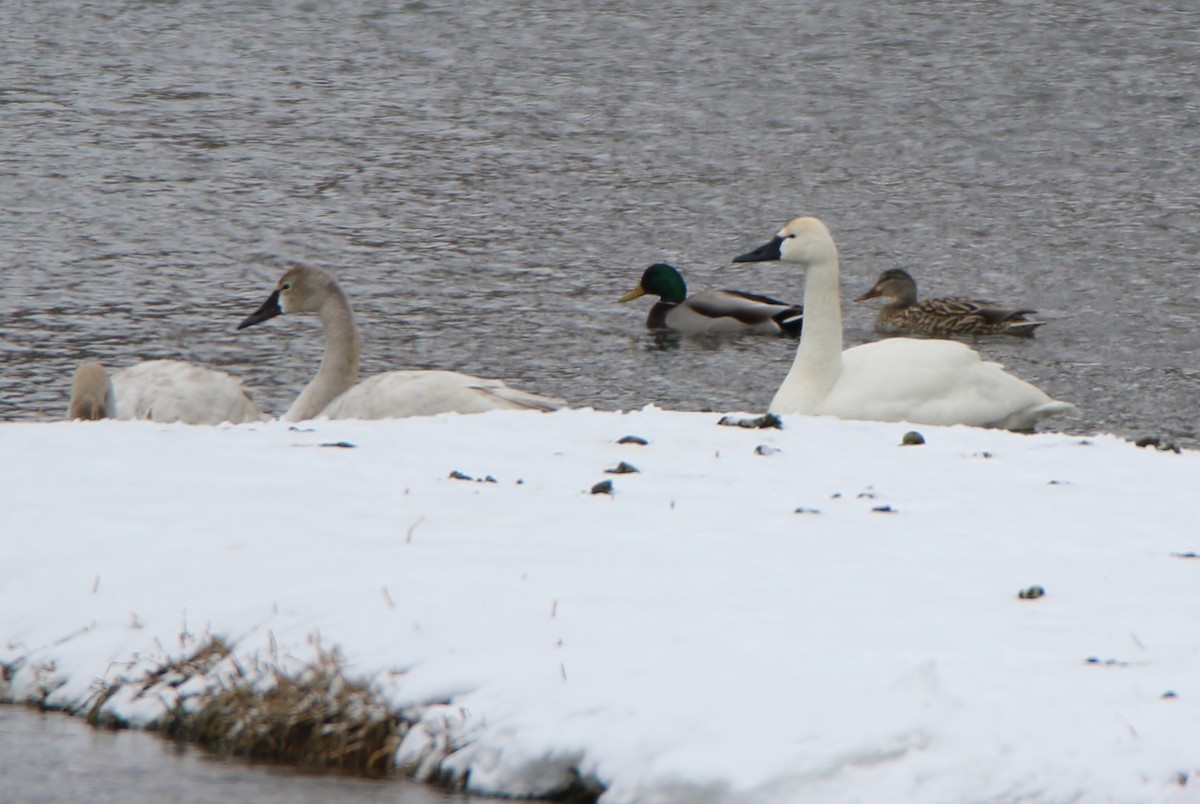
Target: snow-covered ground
x: 690, y: 637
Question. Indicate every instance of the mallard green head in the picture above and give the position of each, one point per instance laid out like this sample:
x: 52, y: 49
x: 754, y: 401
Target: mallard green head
x: 660, y: 280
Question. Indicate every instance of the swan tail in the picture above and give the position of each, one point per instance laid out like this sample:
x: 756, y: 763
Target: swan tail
x: 521, y: 400
x: 1026, y: 420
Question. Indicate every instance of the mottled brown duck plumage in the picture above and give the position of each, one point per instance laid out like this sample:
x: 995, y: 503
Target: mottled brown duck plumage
x: 943, y: 317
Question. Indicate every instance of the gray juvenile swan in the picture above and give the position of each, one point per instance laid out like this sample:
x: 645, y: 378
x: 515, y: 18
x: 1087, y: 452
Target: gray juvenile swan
x: 332, y: 392
x: 897, y: 379
x: 160, y: 391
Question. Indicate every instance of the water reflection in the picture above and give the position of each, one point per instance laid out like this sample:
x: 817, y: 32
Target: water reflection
x: 52, y: 758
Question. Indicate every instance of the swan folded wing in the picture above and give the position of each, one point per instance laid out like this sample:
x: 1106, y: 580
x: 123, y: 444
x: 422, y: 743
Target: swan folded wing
x: 399, y: 394
x: 949, y: 384
x: 177, y: 391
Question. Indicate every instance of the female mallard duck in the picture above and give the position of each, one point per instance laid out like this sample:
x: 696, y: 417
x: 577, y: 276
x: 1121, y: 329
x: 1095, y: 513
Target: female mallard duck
x: 333, y: 392
x: 896, y: 379
x: 944, y: 317
x: 721, y: 311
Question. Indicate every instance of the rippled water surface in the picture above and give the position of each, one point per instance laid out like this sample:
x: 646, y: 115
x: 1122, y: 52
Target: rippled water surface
x: 488, y: 178
x: 56, y: 759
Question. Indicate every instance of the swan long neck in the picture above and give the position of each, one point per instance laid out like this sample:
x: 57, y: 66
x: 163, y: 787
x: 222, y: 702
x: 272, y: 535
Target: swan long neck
x: 339, y: 364
x: 818, y: 360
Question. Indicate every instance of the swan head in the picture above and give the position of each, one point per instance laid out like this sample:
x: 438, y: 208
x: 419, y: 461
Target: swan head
x: 894, y: 283
x: 660, y: 280
x: 92, y: 394
x: 302, y: 289
x: 804, y: 240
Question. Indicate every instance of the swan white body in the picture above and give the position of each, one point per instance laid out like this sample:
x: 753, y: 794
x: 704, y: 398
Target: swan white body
x: 332, y: 393
x: 161, y: 391
x: 898, y: 379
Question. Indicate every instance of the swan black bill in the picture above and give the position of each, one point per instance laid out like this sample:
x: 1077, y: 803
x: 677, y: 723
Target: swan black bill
x: 765, y: 252
x: 269, y: 310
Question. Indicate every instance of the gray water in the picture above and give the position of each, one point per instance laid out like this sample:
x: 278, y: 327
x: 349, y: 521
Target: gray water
x: 487, y: 178
x: 56, y: 759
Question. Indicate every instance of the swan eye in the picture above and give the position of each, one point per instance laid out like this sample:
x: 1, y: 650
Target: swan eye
x: 791, y: 234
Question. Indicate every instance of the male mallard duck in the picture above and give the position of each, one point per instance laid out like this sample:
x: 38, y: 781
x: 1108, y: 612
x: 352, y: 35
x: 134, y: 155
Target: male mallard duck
x: 941, y: 318
x: 333, y: 394
x: 726, y: 311
x: 896, y: 379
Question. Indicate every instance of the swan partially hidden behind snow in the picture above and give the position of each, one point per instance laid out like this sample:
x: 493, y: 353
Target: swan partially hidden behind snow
x: 898, y: 379
x: 160, y: 391
x: 332, y: 392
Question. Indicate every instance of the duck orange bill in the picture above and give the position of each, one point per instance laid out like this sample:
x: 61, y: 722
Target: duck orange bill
x: 269, y: 310
x: 765, y: 252
x: 870, y: 294
x: 633, y: 294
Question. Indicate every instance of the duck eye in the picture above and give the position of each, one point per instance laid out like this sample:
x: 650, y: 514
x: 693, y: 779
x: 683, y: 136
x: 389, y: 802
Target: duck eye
x: 791, y: 234
x: 286, y: 286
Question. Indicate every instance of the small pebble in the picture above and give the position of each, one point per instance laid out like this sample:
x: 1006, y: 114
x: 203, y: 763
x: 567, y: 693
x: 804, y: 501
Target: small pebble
x: 763, y: 449
x: 1159, y: 443
x: 340, y: 444
x: 457, y: 475
x: 1032, y: 593
x: 622, y: 469
x: 911, y: 439
x: 808, y: 510
x: 884, y: 509
x: 1170, y: 694
x: 1188, y: 554
x: 758, y: 422
x: 603, y: 487
x: 632, y: 439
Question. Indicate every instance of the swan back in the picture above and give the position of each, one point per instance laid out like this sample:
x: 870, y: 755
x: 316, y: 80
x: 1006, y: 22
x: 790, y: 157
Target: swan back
x: 92, y: 395
x: 178, y: 391
x: 161, y: 391
x: 932, y: 382
x: 430, y: 392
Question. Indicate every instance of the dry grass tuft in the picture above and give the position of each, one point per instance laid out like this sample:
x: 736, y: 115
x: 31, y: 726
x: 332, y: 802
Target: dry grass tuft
x: 314, y: 718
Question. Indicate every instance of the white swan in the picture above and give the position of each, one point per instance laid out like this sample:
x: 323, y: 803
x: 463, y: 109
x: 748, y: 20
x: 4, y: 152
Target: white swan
x: 161, y: 391
x: 898, y: 379
x: 395, y: 394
